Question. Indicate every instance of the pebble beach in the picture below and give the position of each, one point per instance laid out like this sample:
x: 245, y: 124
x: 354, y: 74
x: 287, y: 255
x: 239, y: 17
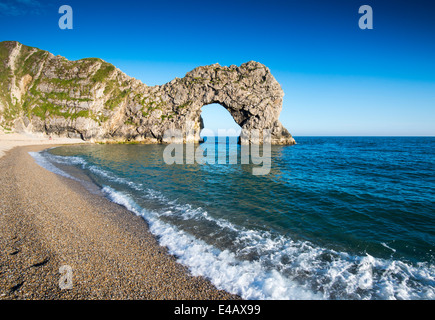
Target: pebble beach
x: 49, y: 224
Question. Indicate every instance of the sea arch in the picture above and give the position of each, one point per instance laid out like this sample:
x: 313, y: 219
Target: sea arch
x: 249, y: 93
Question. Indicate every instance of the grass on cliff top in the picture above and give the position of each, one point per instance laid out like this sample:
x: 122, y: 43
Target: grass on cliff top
x: 103, y: 73
x: 4, y: 53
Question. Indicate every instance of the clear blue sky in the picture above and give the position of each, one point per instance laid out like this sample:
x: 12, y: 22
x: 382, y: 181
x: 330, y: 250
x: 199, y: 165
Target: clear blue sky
x: 337, y: 78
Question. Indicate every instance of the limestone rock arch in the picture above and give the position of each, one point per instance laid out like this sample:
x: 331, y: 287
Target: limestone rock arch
x: 250, y: 94
x: 92, y: 99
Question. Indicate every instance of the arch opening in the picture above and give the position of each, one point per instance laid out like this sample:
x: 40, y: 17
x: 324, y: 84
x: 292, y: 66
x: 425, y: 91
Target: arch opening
x: 219, y: 121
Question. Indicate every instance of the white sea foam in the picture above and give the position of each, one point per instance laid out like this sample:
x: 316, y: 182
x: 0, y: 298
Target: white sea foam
x: 77, y: 161
x: 286, y: 269
x: 43, y: 162
x: 70, y: 160
x: 248, y: 279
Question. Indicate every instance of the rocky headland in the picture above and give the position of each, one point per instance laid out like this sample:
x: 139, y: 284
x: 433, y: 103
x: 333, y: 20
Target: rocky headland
x: 93, y: 100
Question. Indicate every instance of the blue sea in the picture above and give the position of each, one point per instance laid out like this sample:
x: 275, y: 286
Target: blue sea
x: 335, y: 218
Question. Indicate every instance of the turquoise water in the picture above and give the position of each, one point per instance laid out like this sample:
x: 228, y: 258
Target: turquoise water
x: 336, y: 217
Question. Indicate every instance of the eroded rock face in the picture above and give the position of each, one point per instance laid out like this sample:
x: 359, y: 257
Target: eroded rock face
x: 90, y: 98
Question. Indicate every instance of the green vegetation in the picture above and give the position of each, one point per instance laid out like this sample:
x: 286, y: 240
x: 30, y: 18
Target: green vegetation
x: 164, y: 117
x: 5, y: 79
x: 110, y: 86
x: 65, y: 85
x: 27, y: 64
x: 4, y: 52
x: 44, y: 105
x: 11, y: 113
x: 92, y: 60
x: 103, y: 73
x: 130, y: 122
x: 117, y: 98
x: 252, y: 69
x: 48, y: 109
x: 184, y: 105
x: 215, y: 81
x: 194, y: 80
x: 64, y: 96
x: 129, y: 142
x: 152, y: 105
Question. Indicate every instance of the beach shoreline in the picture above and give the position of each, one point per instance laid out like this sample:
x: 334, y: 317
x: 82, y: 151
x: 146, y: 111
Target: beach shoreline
x: 11, y: 140
x: 48, y: 221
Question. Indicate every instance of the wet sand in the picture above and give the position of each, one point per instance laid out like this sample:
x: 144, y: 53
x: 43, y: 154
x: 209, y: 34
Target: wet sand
x: 48, y: 221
